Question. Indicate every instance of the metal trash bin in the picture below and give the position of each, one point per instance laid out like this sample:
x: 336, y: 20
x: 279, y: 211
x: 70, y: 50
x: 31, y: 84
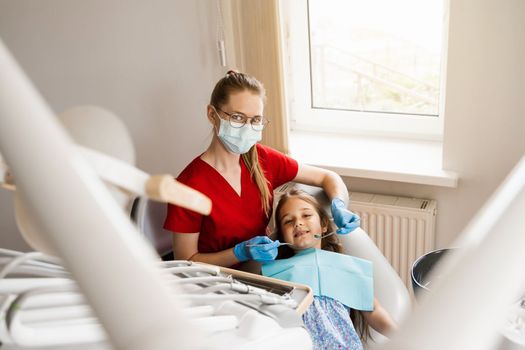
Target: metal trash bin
x: 421, y: 269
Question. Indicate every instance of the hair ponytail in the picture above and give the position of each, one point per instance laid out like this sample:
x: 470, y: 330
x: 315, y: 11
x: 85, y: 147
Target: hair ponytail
x: 252, y: 162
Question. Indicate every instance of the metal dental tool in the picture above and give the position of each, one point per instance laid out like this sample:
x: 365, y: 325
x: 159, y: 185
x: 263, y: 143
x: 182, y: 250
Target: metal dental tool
x: 316, y: 236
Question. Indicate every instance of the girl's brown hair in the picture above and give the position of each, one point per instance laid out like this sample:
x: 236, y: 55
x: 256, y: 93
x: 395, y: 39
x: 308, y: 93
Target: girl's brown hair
x: 330, y: 243
x: 236, y: 82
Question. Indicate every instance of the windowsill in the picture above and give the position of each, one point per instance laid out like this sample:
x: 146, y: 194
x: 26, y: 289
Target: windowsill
x: 410, y: 161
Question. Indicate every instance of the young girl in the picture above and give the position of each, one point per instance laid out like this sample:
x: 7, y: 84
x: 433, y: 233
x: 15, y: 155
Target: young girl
x: 301, y: 222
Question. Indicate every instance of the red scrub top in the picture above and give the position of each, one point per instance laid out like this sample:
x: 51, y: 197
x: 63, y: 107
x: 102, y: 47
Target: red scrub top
x: 233, y: 218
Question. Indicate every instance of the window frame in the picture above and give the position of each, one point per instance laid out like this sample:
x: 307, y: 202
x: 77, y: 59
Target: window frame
x: 304, y: 117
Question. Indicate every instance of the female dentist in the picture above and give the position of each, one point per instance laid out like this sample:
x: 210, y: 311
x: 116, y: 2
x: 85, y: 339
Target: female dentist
x: 239, y: 176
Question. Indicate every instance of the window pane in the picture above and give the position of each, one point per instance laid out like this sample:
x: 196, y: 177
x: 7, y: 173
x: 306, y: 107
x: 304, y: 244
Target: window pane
x: 376, y: 55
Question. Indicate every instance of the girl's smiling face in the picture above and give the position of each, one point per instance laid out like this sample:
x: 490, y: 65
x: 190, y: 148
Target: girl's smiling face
x: 299, y: 223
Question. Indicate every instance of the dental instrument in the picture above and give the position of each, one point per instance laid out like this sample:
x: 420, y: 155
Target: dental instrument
x: 316, y: 236
x: 263, y: 244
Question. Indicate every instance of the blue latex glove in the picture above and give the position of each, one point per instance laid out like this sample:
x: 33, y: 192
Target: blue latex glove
x: 266, y: 249
x: 344, y: 218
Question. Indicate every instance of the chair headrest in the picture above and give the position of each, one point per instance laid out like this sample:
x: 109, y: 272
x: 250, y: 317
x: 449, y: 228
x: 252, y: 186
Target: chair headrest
x: 149, y: 217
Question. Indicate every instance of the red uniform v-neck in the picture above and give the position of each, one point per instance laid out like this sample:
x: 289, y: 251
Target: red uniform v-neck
x: 233, y: 218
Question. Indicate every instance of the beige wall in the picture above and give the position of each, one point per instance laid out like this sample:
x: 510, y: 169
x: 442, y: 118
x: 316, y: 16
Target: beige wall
x: 484, y: 114
x: 154, y: 63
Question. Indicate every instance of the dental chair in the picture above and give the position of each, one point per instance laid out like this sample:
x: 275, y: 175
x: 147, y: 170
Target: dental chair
x: 388, y: 288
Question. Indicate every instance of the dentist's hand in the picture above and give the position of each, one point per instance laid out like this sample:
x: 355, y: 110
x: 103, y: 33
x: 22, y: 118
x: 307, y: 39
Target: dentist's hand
x: 266, y: 249
x: 344, y: 218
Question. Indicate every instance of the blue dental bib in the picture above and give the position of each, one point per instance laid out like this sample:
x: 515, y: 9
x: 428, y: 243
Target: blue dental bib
x: 338, y: 276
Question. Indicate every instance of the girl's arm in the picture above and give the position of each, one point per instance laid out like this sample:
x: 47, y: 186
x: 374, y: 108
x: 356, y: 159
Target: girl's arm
x: 185, y: 247
x: 379, y: 319
x: 332, y: 183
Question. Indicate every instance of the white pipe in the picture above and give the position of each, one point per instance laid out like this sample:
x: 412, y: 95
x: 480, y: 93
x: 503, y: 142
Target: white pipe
x: 211, y: 269
x: 57, y: 313
x: 206, y: 279
x: 34, y: 271
x: 52, y: 299
x: 264, y: 299
x: 21, y: 285
x: 112, y: 264
x: 162, y: 188
x: 19, y: 260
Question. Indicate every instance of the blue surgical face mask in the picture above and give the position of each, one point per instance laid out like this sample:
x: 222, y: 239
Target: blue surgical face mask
x: 238, y: 140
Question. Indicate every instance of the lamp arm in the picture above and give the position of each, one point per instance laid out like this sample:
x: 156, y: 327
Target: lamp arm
x: 161, y: 188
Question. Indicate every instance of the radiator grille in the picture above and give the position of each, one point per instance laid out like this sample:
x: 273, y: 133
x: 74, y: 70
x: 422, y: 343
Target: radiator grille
x: 402, y: 228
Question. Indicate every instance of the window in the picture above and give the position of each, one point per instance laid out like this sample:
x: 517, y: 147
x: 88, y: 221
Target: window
x: 368, y: 67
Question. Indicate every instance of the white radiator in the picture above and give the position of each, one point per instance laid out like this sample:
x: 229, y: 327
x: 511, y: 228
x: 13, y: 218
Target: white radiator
x: 402, y: 228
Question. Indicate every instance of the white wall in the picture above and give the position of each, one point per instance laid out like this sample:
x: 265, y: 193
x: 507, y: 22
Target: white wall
x: 484, y: 114
x: 153, y: 63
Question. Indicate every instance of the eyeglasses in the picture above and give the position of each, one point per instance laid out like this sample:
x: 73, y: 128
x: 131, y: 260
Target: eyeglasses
x: 237, y: 120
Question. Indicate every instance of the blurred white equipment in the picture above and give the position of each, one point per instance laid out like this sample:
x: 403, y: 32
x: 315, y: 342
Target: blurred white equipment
x: 84, y: 225
x: 41, y: 306
x: 468, y: 305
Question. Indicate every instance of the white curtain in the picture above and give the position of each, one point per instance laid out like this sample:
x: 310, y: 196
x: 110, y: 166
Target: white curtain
x: 252, y: 33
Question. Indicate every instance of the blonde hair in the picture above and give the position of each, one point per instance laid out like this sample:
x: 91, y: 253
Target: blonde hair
x: 233, y: 82
x: 330, y: 243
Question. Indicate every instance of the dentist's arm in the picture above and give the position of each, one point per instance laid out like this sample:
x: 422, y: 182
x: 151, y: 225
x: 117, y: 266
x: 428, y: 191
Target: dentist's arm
x: 259, y: 248
x: 336, y: 191
x: 332, y: 183
x: 185, y: 247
